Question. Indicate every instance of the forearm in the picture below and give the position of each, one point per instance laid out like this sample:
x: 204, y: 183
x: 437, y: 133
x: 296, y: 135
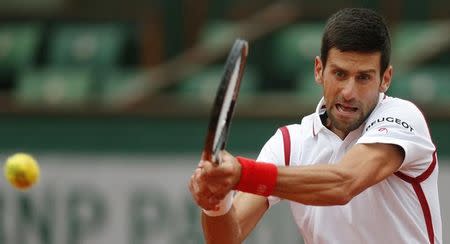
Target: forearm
x: 237, y: 224
x: 315, y: 185
x: 221, y: 229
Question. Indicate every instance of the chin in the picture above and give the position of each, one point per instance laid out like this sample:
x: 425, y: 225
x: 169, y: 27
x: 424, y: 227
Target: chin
x: 347, y: 126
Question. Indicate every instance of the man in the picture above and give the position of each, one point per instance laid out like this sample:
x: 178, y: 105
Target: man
x: 361, y: 169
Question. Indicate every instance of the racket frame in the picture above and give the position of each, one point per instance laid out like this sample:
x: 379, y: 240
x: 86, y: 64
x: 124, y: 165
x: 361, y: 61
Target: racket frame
x: 220, y: 118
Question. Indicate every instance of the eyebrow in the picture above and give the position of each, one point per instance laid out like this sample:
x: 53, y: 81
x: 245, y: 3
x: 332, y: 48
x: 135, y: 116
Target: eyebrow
x: 334, y: 66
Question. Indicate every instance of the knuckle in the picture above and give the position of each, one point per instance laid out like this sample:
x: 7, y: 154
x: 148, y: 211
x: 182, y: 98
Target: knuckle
x: 196, y: 188
x: 207, y: 172
x: 204, y: 173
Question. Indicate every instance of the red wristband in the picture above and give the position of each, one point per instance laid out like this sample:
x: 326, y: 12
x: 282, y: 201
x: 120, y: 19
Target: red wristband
x: 257, y: 178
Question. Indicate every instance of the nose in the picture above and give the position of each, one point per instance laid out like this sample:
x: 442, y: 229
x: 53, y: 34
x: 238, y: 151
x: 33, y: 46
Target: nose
x: 348, y: 89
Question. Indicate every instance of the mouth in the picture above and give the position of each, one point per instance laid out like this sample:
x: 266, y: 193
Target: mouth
x: 345, y: 109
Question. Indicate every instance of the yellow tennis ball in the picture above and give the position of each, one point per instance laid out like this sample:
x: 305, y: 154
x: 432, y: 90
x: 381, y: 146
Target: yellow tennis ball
x: 21, y: 170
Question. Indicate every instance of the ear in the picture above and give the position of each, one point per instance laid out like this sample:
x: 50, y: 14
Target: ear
x: 318, y: 70
x: 387, y: 77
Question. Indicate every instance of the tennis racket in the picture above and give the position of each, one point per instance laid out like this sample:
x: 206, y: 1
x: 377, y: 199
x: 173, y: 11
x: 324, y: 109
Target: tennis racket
x: 224, y: 103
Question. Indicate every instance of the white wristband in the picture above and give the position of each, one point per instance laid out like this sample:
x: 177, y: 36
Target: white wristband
x: 224, y: 206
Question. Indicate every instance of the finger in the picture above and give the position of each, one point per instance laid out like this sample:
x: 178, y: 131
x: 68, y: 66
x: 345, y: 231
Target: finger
x: 209, y: 203
x: 190, y: 184
x: 211, y: 169
x: 204, y: 201
x: 200, y: 185
x: 225, y: 155
x: 199, y: 197
x: 219, y: 190
x: 205, y: 188
x: 200, y: 192
x: 220, y: 196
x: 212, y: 181
x: 201, y: 163
x: 198, y: 172
x: 221, y: 170
x: 200, y: 175
x: 195, y: 187
x: 213, y: 200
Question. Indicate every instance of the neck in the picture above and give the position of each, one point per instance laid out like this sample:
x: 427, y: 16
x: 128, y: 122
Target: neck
x: 340, y: 133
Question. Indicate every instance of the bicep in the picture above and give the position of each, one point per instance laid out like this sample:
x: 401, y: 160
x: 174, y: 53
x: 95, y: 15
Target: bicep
x: 369, y: 164
x: 249, y: 209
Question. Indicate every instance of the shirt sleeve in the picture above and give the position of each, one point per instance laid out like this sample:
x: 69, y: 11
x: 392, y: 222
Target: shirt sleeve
x: 273, y: 152
x: 401, y: 123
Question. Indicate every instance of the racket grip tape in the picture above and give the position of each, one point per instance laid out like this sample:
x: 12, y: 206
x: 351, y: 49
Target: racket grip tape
x: 257, y: 177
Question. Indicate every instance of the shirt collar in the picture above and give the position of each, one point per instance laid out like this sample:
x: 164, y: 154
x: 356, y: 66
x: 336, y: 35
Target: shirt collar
x: 317, y: 122
x: 317, y: 125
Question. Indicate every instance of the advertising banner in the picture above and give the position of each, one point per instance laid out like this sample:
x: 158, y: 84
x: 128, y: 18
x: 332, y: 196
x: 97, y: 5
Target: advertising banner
x: 116, y: 199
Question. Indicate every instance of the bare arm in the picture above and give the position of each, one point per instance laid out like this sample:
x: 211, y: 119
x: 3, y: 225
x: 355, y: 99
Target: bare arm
x: 334, y: 184
x: 330, y: 184
x: 237, y: 224
x: 208, y: 185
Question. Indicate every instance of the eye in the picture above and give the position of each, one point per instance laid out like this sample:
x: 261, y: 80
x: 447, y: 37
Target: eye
x: 339, y: 74
x: 364, y: 77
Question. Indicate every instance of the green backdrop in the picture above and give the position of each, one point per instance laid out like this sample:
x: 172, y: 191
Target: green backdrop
x: 146, y: 135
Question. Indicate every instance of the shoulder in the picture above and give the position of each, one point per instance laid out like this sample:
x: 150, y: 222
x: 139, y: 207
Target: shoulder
x: 299, y: 130
x: 390, y: 103
x: 288, y: 135
x: 305, y: 123
x: 398, y: 111
x: 400, y: 106
x: 400, y: 122
x: 292, y: 128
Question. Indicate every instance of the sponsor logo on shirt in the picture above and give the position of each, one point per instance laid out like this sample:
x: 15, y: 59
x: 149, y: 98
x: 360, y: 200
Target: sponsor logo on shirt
x: 404, y: 124
x: 383, y: 130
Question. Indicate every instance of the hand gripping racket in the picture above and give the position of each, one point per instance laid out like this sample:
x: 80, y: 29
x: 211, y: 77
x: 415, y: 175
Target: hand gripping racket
x: 226, y: 96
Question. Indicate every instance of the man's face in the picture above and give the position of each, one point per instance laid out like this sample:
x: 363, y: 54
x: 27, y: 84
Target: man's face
x: 351, y: 85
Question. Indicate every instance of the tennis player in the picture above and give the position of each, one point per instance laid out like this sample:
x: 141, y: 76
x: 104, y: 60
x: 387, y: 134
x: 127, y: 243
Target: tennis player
x: 361, y: 169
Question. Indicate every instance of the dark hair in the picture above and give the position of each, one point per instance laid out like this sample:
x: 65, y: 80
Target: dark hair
x: 357, y: 29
